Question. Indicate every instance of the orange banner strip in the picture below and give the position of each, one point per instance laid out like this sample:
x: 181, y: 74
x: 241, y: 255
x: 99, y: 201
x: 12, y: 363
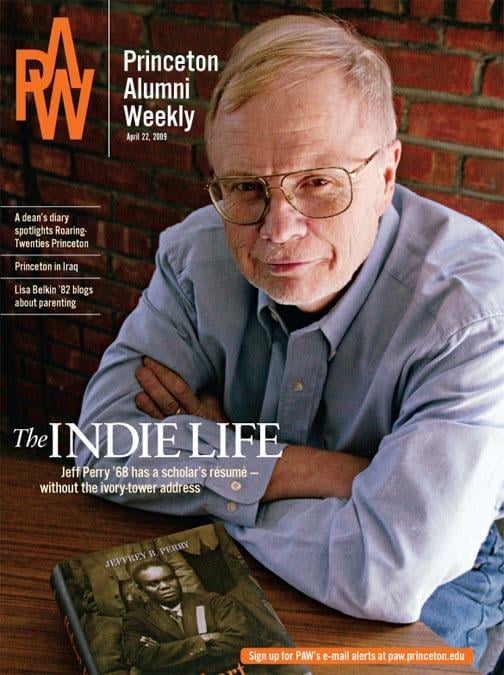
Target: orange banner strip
x: 376, y: 656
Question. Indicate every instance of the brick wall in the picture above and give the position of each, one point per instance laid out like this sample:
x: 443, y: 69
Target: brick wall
x: 446, y: 58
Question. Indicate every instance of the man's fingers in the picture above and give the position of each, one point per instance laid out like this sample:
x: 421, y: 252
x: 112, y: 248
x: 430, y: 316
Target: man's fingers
x: 175, y: 385
x: 155, y: 390
x: 147, y: 406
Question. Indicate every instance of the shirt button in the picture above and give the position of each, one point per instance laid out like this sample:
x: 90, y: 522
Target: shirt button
x: 297, y: 386
x: 236, y: 486
x: 231, y: 507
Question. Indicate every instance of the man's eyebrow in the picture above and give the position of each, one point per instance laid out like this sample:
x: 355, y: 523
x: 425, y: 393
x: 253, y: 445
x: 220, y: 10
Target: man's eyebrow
x: 239, y: 173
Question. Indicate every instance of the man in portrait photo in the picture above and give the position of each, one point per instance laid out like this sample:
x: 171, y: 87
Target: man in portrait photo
x: 181, y: 632
x: 365, y: 321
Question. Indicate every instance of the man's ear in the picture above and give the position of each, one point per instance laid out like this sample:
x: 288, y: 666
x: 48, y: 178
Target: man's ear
x: 389, y: 168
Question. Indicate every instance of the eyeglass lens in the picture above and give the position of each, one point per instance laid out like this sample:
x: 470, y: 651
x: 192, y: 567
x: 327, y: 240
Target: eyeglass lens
x: 315, y: 194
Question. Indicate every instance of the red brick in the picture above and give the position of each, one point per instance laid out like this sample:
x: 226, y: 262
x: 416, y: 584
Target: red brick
x: 183, y: 191
x: 92, y: 139
x: 126, y: 29
x: 182, y: 36
x: 198, y: 126
x: 88, y: 57
x: 489, y: 213
x: 486, y: 175
x: 64, y: 407
x: 33, y: 370
x: 27, y: 323
x: 50, y: 159
x: 202, y: 162
x: 98, y: 106
x: 66, y: 382
x: 116, y: 296
x: 474, y: 39
x: 72, y: 359
x: 205, y: 84
x: 9, y: 125
x: 399, y: 103
x: 255, y: 13
x: 30, y: 391
x: 87, y: 24
x: 12, y: 181
x: 169, y: 154
x: 26, y: 343
x: 117, y: 74
x: 146, y: 215
x: 391, y: 6
x: 96, y: 341
x: 427, y: 8
x: 6, y: 233
x: 423, y: 70
x: 398, y: 31
x: 135, y: 272
x: 7, y: 52
x: 95, y: 265
x: 217, y: 9
x: 493, y: 83
x: 28, y: 17
x: 474, y: 11
x: 427, y: 165
x: 112, y: 174
x: 103, y: 317
x: 57, y: 192
x: 12, y: 152
x: 457, y: 124
x: 62, y: 331
x: 120, y: 238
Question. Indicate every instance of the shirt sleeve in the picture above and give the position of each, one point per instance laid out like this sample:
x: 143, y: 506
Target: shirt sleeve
x: 164, y: 326
x: 421, y: 510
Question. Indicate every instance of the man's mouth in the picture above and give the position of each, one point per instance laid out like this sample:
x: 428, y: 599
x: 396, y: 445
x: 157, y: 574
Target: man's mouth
x: 287, y: 266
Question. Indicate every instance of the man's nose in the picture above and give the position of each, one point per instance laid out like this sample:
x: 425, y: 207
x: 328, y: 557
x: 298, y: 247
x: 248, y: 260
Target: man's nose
x: 282, y: 222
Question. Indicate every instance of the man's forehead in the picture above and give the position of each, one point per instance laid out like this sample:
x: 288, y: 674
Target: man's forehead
x: 314, y: 121
x: 157, y: 571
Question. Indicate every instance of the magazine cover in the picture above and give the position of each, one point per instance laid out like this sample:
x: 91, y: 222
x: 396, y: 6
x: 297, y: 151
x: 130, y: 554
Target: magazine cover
x: 220, y: 264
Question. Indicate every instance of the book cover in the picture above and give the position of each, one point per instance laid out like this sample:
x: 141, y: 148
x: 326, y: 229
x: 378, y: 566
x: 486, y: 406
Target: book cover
x: 182, y: 603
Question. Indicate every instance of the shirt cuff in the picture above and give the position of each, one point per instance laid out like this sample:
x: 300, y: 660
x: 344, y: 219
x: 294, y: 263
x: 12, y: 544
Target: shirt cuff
x: 233, y: 486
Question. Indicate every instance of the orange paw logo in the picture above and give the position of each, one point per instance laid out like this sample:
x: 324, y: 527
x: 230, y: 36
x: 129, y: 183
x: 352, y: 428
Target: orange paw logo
x: 60, y: 81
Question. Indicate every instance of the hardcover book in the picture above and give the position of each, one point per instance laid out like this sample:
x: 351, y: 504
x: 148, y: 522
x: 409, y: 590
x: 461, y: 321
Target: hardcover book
x: 181, y: 604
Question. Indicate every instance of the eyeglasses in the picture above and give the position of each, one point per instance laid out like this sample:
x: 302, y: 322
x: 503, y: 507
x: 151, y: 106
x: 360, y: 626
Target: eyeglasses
x: 316, y: 193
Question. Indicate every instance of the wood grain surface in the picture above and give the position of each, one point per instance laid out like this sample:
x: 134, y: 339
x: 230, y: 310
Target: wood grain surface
x: 38, y: 531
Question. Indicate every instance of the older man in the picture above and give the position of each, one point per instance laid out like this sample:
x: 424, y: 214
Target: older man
x: 363, y: 320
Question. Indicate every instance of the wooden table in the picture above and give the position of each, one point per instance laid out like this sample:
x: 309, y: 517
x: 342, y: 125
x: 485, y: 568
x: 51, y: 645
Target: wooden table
x: 38, y: 531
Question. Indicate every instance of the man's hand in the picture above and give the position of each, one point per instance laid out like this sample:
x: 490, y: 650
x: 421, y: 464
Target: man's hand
x: 165, y: 393
x: 210, y: 637
x: 301, y: 472
x: 148, y: 641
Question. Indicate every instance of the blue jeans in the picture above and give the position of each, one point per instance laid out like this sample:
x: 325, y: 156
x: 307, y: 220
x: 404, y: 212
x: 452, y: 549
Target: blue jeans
x: 462, y: 610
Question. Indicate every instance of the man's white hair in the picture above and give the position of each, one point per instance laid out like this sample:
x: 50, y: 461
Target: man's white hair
x: 293, y: 48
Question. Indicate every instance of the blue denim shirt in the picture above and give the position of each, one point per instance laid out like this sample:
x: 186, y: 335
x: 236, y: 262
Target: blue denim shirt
x: 406, y: 369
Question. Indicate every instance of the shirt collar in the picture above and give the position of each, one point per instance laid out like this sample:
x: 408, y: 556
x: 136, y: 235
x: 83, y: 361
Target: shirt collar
x: 336, y: 322
x: 177, y: 610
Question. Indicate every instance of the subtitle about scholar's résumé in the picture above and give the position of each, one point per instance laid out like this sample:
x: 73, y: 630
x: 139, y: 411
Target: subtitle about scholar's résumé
x: 120, y: 479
